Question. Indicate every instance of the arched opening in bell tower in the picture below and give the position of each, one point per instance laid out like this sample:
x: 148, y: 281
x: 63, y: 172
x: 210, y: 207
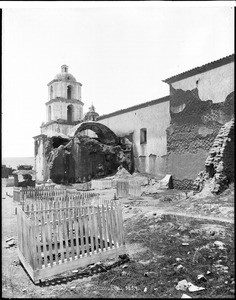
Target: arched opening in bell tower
x: 69, y: 92
x: 49, y: 113
x: 70, y: 113
x: 51, y: 92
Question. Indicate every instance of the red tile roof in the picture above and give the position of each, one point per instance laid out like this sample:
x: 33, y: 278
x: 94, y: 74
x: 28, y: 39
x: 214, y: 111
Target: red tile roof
x: 212, y: 65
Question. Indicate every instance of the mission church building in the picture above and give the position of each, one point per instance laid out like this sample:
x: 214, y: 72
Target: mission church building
x: 169, y: 135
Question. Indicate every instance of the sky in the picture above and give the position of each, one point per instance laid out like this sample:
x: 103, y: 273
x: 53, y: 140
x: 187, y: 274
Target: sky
x: 119, y: 51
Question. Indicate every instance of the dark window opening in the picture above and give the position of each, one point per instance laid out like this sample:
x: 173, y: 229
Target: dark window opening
x: 69, y: 92
x: 49, y: 113
x: 143, y: 136
x: 58, y: 141
x: 51, y: 92
x: 69, y: 113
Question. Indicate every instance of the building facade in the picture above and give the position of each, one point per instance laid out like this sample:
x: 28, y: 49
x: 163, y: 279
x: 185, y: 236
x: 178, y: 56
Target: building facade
x: 145, y: 125
x: 170, y: 135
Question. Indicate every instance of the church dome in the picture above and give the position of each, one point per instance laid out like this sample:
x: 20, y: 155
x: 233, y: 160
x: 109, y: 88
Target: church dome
x: 64, y: 75
x: 91, y: 115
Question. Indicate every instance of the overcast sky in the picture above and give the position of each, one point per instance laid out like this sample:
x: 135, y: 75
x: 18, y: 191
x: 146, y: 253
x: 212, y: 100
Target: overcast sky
x: 120, y: 52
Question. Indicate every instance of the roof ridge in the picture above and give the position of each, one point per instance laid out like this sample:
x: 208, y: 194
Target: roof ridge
x: 201, y: 69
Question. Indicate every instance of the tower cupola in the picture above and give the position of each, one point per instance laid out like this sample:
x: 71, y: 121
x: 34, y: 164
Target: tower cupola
x: 64, y: 106
x: 64, y: 68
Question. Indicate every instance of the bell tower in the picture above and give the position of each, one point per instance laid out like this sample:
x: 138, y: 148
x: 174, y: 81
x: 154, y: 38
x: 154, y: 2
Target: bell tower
x: 64, y: 108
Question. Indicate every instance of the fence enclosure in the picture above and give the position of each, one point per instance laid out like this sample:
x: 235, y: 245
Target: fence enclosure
x: 58, y: 236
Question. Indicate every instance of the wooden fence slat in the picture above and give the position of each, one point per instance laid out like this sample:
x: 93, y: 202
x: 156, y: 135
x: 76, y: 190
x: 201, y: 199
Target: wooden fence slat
x: 65, y: 223
x: 44, y: 240
x: 61, y: 230
x: 95, y: 218
x: 114, y: 225
x: 100, y: 228
x: 81, y: 223
x: 49, y: 226
x: 110, y: 226
x: 91, y: 228
x: 71, y: 233
x: 121, y: 225
x: 76, y: 224
x: 104, y: 226
x: 117, y: 213
x: 87, y: 231
x: 55, y: 232
x: 38, y: 242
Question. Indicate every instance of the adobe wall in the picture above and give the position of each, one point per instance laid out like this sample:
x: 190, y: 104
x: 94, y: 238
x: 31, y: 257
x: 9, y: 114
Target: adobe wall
x: 193, y: 129
x: 219, y: 165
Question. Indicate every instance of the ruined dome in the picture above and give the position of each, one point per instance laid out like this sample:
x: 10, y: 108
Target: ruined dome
x: 64, y: 75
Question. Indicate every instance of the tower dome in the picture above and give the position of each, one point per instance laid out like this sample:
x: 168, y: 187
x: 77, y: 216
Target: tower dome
x: 64, y: 75
x: 91, y: 115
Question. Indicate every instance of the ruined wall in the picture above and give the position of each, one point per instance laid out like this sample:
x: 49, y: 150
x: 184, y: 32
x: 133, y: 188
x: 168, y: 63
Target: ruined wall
x: 149, y: 157
x: 219, y: 165
x: 81, y: 158
x: 214, y: 84
x: 194, y: 126
x: 39, y: 158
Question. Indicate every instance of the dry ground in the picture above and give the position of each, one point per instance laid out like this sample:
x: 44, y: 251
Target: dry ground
x: 169, y: 238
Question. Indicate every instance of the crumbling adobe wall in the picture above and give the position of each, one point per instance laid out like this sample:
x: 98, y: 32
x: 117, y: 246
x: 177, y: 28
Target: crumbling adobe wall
x: 192, y: 131
x: 97, y: 160
x: 219, y: 165
x: 81, y: 158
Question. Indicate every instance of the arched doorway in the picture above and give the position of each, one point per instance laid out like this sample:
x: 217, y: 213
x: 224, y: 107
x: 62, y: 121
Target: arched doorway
x: 70, y: 113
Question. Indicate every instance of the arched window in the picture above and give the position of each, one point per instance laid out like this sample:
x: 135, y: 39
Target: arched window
x: 49, y: 113
x: 69, y: 92
x: 51, y: 92
x: 70, y: 113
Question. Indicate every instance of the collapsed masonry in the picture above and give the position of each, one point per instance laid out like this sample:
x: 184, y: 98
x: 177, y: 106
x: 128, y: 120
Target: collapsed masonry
x: 219, y: 165
x: 80, y: 158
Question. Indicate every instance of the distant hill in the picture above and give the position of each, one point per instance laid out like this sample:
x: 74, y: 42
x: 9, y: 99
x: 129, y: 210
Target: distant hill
x: 16, y: 161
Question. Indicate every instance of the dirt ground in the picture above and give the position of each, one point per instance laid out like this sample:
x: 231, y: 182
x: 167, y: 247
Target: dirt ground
x: 170, y: 236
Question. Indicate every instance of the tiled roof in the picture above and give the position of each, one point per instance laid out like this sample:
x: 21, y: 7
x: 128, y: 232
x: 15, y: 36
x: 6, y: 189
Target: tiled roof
x: 212, y: 65
x: 145, y: 104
